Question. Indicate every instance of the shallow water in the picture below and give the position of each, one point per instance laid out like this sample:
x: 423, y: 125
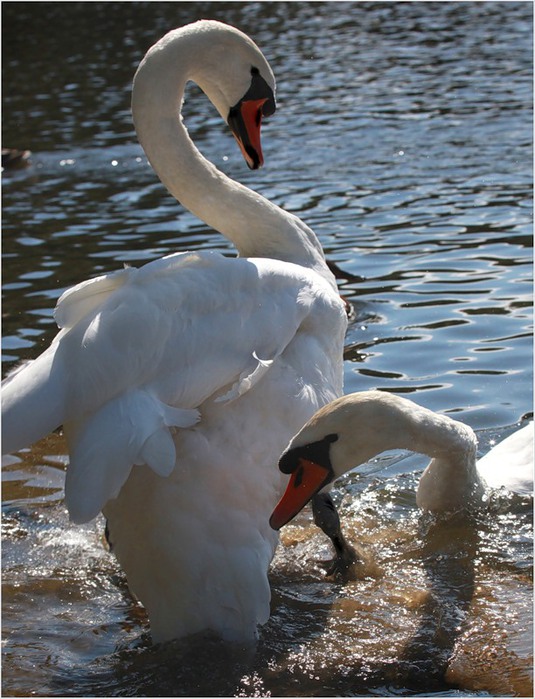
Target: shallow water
x: 404, y: 138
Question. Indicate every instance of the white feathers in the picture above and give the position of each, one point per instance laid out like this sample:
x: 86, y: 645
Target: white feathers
x: 178, y: 384
x: 132, y: 428
x: 509, y: 464
x: 247, y: 380
x: 87, y: 296
x: 33, y: 400
x: 143, y: 349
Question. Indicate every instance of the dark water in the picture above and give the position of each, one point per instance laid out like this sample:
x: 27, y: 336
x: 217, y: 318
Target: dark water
x: 404, y: 138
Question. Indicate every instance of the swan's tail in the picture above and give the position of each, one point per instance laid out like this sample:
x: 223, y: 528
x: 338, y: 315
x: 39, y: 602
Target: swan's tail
x: 33, y: 399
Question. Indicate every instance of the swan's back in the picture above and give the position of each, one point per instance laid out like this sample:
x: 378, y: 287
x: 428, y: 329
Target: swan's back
x: 510, y: 463
x: 252, y: 348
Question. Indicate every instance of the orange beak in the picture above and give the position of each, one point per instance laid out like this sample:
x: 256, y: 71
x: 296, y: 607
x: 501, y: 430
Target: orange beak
x: 307, y: 479
x: 245, y: 123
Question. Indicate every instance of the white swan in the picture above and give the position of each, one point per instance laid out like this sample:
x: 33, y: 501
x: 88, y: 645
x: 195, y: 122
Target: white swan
x: 355, y: 428
x: 178, y: 384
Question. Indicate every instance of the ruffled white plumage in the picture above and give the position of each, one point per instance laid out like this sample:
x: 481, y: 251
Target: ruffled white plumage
x: 179, y: 383
x: 174, y: 334
x: 252, y: 347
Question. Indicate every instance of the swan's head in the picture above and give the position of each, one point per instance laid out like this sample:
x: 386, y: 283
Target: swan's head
x: 310, y: 468
x: 228, y: 67
x: 338, y: 437
x: 238, y: 80
x: 245, y: 118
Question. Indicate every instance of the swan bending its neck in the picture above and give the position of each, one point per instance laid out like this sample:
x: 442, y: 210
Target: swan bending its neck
x: 353, y: 429
x: 213, y: 55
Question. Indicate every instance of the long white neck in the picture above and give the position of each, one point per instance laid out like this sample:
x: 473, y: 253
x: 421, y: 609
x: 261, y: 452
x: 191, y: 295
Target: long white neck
x: 257, y: 227
x: 451, y: 480
x: 371, y: 422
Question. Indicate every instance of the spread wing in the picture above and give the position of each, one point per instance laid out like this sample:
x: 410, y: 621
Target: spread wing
x: 141, y: 351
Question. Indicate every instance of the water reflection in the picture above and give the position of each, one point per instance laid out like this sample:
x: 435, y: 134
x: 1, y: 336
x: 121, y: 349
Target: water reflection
x: 448, y: 553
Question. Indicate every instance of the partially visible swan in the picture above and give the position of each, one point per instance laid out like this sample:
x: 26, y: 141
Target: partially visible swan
x: 13, y: 159
x: 179, y: 383
x: 355, y: 428
x: 509, y: 464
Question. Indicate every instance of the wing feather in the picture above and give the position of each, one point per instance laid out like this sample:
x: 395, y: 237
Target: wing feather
x: 142, y: 349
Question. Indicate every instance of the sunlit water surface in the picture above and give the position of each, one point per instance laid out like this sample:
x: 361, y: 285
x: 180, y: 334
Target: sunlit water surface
x: 403, y: 137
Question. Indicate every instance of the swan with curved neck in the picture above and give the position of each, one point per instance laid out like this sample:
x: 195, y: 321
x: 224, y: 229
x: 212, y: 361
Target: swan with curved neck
x: 355, y: 428
x: 237, y: 79
x: 178, y: 384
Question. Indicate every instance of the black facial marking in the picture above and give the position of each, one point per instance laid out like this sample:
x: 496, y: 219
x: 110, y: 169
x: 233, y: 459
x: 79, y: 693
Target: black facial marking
x: 259, y: 89
x: 318, y: 452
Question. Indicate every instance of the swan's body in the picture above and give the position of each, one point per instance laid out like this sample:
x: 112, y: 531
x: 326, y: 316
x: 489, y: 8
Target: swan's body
x: 355, y: 428
x: 178, y: 384
x: 509, y: 464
